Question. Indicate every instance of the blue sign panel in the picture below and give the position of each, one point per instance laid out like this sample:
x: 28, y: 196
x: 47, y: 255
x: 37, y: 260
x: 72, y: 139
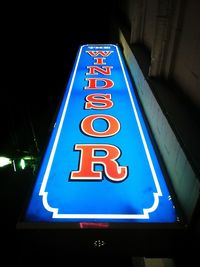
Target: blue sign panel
x: 100, y: 164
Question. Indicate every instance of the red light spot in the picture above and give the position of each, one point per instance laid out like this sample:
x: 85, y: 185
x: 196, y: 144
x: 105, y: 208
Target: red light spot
x: 93, y: 225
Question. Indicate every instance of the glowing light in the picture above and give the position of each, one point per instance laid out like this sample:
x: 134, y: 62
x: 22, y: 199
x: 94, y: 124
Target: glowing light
x: 100, y: 144
x: 4, y: 161
x: 22, y: 164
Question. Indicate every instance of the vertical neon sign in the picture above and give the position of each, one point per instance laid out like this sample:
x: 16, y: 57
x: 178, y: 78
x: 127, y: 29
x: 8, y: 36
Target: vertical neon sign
x: 100, y: 164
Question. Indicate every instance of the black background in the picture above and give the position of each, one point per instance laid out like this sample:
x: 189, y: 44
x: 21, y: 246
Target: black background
x: 38, y: 48
x: 39, y: 43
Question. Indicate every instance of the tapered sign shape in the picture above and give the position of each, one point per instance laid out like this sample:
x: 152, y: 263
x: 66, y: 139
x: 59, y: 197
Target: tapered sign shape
x: 100, y: 163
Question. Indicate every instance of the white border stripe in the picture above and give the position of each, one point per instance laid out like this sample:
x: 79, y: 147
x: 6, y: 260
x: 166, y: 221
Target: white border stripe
x: 46, y: 175
x: 42, y: 192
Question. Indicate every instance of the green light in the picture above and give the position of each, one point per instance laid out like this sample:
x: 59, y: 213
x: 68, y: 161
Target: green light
x: 28, y: 158
x: 5, y: 161
x: 22, y: 164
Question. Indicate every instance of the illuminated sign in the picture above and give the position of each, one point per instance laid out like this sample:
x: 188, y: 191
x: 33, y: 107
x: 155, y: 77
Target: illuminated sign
x: 100, y: 164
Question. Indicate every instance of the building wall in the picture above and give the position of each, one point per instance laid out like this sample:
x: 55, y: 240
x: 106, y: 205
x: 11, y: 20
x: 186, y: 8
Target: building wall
x: 149, y: 23
x: 168, y: 29
x: 186, y: 70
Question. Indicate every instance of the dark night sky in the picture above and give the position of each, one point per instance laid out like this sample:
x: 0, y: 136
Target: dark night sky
x: 38, y: 48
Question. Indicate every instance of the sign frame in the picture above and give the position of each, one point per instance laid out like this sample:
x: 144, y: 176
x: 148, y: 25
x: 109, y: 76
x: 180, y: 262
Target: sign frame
x: 89, y: 222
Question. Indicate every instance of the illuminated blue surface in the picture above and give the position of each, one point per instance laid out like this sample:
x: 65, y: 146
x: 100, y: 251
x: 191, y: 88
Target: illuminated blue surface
x: 142, y: 197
